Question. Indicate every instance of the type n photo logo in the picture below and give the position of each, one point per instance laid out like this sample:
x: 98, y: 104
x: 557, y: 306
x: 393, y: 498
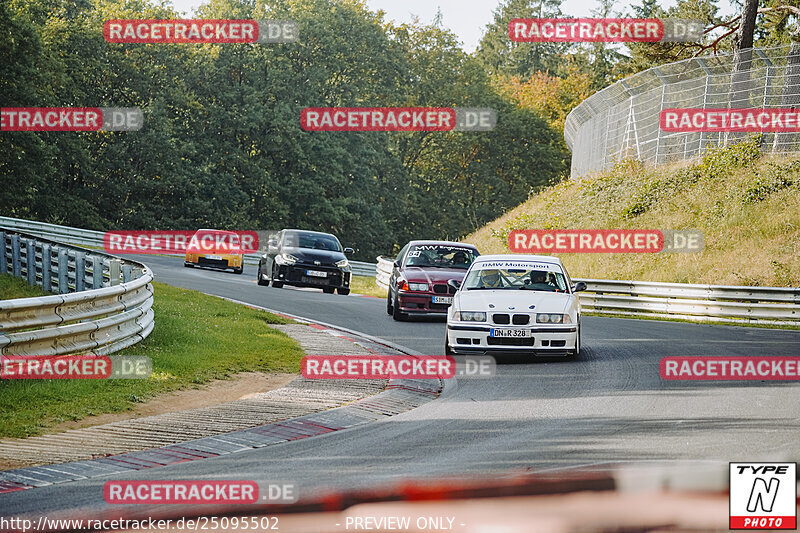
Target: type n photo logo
x: 763, y: 496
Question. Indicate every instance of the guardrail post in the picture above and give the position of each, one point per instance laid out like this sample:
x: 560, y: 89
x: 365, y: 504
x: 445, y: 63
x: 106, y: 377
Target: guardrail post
x: 114, y: 271
x: 97, y: 272
x: 126, y: 273
x: 30, y: 261
x: 47, y: 268
x: 80, y: 271
x: 16, y: 265
x: 63, y: 271
x: 3, y: 259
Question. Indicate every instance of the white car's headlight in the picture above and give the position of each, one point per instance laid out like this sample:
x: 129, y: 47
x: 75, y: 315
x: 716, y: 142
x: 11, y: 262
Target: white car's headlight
x: 552, y: 318
x: 470, y: 316
x: 287, y: 259
x: 418, y: 286
x: 344, y: 263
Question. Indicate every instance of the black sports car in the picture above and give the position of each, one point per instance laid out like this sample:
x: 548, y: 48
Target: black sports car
x: 306, y: 259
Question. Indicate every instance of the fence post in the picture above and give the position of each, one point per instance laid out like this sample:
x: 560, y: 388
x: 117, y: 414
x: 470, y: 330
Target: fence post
x: 80, y: 271
x: 63, y: 271
x: 16, y: 264
x: 30, y: 261
x: 126, y: 273
x: 114, y: 271
x: 3, y: 258
x: 97, y: 272
x: 767, y: 83
x: 47, y: 268
x: 660, y: 109
x: 790, y: 97
x: 707, y: 71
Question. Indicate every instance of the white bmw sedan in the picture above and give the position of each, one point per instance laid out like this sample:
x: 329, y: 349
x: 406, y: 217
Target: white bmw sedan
x: 515, y: 304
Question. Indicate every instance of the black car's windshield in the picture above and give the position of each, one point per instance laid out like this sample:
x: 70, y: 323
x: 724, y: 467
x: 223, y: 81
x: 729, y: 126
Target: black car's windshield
x: 441, y: 256
x: 313, y: 241
x: 534, y: 277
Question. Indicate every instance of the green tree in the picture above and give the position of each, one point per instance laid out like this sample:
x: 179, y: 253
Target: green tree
x: 500, y: 55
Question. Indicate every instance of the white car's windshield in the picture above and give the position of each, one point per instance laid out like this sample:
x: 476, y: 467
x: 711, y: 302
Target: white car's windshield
x: 534, y: 277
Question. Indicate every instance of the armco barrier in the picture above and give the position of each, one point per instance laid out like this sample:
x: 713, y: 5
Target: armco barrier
x: 86, y: 237
x: 104, y: 303
x: 762, y: 305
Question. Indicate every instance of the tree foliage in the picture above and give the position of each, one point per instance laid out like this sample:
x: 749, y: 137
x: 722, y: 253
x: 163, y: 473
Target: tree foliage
x: 222, y: 144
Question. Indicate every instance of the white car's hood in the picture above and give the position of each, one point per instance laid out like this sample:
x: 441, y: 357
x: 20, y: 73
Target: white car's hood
x: 519, y: 300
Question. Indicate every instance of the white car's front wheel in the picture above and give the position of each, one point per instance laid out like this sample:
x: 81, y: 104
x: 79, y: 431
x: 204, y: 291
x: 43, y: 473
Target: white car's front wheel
x: 573, y: 354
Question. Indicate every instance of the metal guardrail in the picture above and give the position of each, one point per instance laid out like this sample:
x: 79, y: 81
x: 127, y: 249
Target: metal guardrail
x: 763, y: 305
x: 642, y: 299
x: 86, y: 237
x: 104, y: 303
x: 383, y: 271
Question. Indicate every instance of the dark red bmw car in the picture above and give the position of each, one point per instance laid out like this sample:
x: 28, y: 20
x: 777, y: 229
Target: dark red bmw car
x: 418, y: 285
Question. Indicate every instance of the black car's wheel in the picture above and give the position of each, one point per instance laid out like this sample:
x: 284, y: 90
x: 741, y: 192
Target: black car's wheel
x: 343, y: 291
x: 260, y: 278
x: 396, y: 313
x: 328, y: 290
x: 275, y: 283
x: 389, y: 308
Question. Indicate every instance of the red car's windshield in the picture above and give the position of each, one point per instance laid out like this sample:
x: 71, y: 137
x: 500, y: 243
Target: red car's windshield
x: 442, y: 256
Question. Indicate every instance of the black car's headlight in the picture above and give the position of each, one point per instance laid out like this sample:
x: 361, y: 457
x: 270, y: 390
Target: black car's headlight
x: 344, y: 263
x: 286, y: 259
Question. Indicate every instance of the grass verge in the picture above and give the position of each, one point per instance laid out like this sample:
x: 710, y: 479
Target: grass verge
x: 197, y: 339
x: 366, y: 285
x: 13, y: 287
x: 747, y: 205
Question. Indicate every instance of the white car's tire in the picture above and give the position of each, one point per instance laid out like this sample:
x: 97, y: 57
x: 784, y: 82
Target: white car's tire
x: 577, y: 350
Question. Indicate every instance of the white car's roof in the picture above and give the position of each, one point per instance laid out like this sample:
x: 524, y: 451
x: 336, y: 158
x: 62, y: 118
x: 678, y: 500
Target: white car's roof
x: 519, y: 258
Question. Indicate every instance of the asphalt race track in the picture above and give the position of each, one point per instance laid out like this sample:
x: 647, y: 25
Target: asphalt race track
x: 608, y: 407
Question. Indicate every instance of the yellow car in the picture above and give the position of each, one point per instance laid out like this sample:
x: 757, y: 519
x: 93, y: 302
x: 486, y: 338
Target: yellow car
x: 215, y: 248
